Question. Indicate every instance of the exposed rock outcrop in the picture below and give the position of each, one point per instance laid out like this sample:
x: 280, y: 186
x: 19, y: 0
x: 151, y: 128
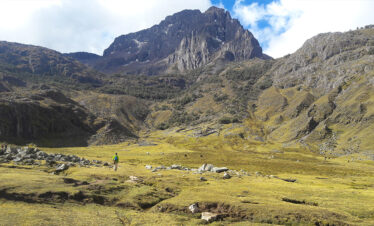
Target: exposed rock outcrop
x: 186, y: 40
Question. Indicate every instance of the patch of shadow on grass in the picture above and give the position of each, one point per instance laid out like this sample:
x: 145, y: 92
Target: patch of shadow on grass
x: 294, y: 201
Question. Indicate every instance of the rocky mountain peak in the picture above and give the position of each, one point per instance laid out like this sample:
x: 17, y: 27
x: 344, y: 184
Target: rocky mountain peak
x: 215, y: 10
x: 183, y: 41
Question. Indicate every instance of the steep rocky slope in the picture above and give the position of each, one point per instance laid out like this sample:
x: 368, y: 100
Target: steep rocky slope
x: 184, y: 41
x: 50, y: 118
x: 320, y: 96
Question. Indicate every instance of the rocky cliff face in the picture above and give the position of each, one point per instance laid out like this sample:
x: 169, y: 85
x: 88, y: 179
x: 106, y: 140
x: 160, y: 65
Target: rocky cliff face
x: 184, y: 41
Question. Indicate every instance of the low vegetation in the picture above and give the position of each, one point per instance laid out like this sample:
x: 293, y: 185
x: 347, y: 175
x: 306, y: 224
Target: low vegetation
x: 273, y: 185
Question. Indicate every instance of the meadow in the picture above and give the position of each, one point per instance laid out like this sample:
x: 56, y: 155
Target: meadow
x: 271, y: 184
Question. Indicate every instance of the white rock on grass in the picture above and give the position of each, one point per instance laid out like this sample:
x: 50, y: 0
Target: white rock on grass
x: 179, y: 167
x: 208, y: 216
x: 149, y: 167
x: 226, y: 175
x: 194, y: 208
x: 206, y: 167
x: 61, y: 168
x: 219, y: 169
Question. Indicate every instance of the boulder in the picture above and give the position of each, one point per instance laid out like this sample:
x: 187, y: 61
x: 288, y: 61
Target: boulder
x: 50, y: 162
x: 206, y: 167
x: 179, y: 167
x: 8, y: 156
x: 208, y: 216
x: 29, y: 161
x: 134, y: 179
x: 61, y: 167
x: 18, y: 159
x: 11, y: 150
x: 194, y: 208
x: 226, y: 175
x: 149, y: 167
x: 219, y: 169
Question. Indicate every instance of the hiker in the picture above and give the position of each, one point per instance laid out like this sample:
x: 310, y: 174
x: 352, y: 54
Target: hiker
x: 115, y: 162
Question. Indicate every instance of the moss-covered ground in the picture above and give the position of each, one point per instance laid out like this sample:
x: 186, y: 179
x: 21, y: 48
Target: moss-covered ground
x: 336, y: 191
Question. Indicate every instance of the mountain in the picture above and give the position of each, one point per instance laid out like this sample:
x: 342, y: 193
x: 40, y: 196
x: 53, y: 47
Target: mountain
x: 45, y: 99
x: 184, y: 41
x: 27, y: 60
x: 320, y: 97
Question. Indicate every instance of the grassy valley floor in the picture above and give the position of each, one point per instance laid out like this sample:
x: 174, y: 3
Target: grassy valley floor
x: 270, y: 184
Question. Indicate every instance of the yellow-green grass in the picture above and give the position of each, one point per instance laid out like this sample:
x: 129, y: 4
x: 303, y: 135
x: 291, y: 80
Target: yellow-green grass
x: 332, y: 191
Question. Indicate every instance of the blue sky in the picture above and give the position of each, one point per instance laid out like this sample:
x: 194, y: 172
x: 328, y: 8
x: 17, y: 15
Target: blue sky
x: 281, y: 26
x: 262, y: 23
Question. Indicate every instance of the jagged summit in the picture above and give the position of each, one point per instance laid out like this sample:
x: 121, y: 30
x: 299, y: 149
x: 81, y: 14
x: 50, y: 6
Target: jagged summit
x: 214, y: 9
x: 183, y: 41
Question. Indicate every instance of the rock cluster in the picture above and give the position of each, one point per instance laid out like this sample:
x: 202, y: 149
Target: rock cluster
x: 202, y: 169
x: 34, y: 156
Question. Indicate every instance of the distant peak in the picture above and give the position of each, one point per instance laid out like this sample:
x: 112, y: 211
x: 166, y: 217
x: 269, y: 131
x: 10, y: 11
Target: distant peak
x: 214, y: 9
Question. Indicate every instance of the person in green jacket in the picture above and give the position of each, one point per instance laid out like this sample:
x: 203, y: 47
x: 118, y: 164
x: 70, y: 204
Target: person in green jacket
x: 115, y: 161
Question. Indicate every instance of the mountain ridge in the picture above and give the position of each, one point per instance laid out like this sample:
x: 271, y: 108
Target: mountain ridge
x: 183, y: 41
x: 318, y: 96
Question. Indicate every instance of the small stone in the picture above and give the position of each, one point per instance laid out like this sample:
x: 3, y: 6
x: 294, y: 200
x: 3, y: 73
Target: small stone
x: 61, y: 168
x: 208, y: 216
x: 219, y: 169
x: 179, y: 167
x: 226, y: 175
x: 194, y: 208
x: 17, y: 159
x: 203, y: 179
x: 135, y: 179
x: 149, y: 167
x: 106, y: 164
x: 206, y: 167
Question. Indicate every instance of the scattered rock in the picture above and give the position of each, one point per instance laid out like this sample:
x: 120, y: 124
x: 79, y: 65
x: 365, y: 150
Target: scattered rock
x: 149, y: 167
x: 134, y: 179
x: 226, y: 175
x: 61, y: 167
x: 259, y: 139
x: 206, y: 167
x: 106, y: 164
x: 194, y: 208
x: 179, y: 167
x: 203, y: 179
x: 289, y: 180
x: 219, y: 169
x: 209, y: 217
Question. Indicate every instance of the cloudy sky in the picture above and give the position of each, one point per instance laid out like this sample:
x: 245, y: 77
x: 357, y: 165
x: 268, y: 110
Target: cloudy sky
x: 281, y: 26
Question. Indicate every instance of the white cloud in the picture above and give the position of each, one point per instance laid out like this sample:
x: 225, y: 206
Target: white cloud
x: 292, y: 22
x: 84, y: 25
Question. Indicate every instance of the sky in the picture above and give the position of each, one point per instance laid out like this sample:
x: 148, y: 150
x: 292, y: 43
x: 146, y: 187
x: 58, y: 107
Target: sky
x: 281, y: 26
